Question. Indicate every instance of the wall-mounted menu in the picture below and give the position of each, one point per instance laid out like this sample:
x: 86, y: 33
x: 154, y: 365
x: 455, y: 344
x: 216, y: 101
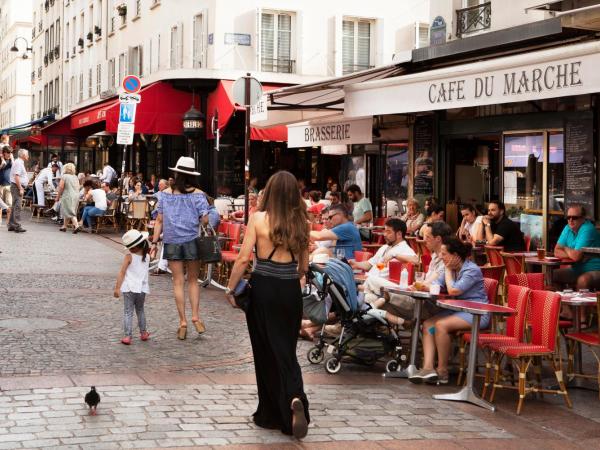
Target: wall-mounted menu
x: 423, y: 148
x: 579, y: 164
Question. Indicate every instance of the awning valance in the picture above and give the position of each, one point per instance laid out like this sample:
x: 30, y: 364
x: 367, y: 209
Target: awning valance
x: 221, y: 100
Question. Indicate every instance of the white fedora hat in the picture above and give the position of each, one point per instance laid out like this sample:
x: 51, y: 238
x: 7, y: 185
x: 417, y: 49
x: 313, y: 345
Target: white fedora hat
x: 134, y: 237
x: 185, y: 164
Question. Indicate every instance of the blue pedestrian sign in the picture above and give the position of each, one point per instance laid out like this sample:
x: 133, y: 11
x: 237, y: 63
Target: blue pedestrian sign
x: 127, y: 112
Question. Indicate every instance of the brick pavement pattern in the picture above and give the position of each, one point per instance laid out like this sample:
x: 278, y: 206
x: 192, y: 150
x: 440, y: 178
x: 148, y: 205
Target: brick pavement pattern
x: 59, y: 334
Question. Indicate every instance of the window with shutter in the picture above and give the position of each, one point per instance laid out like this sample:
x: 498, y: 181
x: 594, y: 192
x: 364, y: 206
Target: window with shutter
x: 199, y: 41
x: 111, y: 73
x: 98, y: 79
x: 175, y: 48
x: 356, y: 45
x: 276, y: 42
x: 89, y: 83
x: 421, y: 35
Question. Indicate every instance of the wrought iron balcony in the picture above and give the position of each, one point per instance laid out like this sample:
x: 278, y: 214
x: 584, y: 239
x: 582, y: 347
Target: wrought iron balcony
x: 475, y: 18
x: 278, y: 65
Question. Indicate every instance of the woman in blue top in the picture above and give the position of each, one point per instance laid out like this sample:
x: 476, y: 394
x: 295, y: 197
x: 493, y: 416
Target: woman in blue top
x: 462, y: 279
x: 180, y: 210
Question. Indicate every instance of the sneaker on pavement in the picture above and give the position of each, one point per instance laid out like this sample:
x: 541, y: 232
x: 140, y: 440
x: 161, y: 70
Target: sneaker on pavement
x: 442, y: 378
x: 126, y: 340
x: 424, y: 376
x: 144, y: 335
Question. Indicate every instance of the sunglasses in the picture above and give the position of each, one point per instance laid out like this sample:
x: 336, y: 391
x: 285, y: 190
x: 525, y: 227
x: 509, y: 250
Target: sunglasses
x: 573, y: 217
x: 332, y: 216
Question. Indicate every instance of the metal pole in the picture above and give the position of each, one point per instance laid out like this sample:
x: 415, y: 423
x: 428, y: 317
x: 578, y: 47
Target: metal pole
x: 246, y: 145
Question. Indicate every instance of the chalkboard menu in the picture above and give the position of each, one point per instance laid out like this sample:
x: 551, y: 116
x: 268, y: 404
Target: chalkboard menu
x: 579, y: 164
x: 423, y: 147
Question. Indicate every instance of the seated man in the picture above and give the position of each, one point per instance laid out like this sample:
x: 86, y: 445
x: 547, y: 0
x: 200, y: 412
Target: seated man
x: 499, y: 230
x: 395, y: 248
x: 363, y: 211
x: 579, y: 232
x: 342, y: 231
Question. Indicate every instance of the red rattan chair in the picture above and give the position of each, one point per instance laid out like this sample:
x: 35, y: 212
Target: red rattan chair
x: 545, y: 308
x: 590, y: 339
x: 360, y: 256
x: 493, y: 255
x: 491, y: 289
x: 425, y: 262
x: 493, y: 272
x: 379, y: 221
x: 412, y: 241
x: 513, y: 264
x: 518, y: 298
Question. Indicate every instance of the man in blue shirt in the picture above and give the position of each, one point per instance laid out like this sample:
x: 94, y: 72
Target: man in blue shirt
x: 579, y: 233
x: 341, y: 230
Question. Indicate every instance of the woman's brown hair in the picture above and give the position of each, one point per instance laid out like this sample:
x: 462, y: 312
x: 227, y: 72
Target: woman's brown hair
x: 286, y: 210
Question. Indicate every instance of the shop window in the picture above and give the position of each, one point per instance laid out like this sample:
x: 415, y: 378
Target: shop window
x: 397, y: 176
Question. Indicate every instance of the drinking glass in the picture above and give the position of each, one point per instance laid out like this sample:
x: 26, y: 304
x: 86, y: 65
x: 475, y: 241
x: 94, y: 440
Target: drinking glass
x: 419, y: 276
x: 541, y: 253
x: 381, y: 265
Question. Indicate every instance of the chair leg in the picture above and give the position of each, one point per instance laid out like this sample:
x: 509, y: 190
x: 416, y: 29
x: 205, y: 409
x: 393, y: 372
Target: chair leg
x: 487, y: 375
x: 559, y: 377
x: 461, y: 359
x: 537, y: 370
x: 523, y: 365
x: 497, y: 363
x: 570, y: 356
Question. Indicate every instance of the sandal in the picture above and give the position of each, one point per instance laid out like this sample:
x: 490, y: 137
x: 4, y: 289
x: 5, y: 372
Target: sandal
x: 76, y: 230
x: 299, y: 422
x: 200, y: 328
x: 62, y: 229
x: 182, y: 332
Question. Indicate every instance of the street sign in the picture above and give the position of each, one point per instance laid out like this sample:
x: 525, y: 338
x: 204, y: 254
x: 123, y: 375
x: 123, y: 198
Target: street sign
x: 239, y: 91
x: 258, y: 111
x: 131, y: 84
x: 125, y: 132
x: 127, y: 112
x: 130, y: 98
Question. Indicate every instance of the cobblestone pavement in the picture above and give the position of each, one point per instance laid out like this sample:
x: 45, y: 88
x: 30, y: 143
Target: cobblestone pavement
x: 59, y: 334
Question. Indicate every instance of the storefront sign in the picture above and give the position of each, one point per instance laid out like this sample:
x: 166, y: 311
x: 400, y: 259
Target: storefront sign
x: 332, y: 133
x: 237, y: 39
x: 258, y: 111
x: 437, y: 32
x: 508, y: 80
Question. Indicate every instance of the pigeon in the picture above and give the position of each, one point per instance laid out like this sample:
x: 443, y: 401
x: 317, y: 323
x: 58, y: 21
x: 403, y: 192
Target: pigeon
x: 92, y: 399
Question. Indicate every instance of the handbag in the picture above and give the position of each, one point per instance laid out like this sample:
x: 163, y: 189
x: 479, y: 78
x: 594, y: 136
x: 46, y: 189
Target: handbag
x: 209, y: 248
x: 241, y: 294
x: 314, y: 308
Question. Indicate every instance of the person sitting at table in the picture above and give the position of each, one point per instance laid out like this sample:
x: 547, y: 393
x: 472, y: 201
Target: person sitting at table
x: 413, y: 218
x: 403, y: 305
x: 435, y: 213
x: 362, y: 211
x: 45, y: 177
x: 579, y: 233
x: 470, y: 225
x: 98, y: 196
x: 333, y: 188
x: 316, y: 206
x: 137, y: 192
x: 342, y: 231
x: 395, y: 248
x: 462, y: 279
x: 499, y: 230
x: 110, y: 194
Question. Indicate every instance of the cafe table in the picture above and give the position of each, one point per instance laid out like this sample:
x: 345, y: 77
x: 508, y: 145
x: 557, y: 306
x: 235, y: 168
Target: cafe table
x: 548, y: 264
x: 577, y: 300
x: 467, y: 393
x: 419, y: 297
x: 591, y: 250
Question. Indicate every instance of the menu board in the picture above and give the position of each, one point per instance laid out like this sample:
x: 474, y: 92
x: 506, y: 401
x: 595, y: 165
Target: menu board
x: 423, y: 148
x: 579, y: 164
x: 230, y: 171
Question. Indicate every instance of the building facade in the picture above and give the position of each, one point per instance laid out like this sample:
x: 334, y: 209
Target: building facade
x: 16, y: 67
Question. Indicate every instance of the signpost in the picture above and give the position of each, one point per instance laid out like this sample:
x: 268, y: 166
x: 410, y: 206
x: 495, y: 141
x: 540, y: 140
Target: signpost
x: 128, y: 102
x: 247, y: 91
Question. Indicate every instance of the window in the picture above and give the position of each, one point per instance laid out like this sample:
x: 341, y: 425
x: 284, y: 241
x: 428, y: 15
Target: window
x: 39, y: 113
x: 111, y: 73
x: 138, y: 8
x: 57, y: 29
x: 276, y: 42
x: 99, y: 15
x: 98, y: 79
x: 122, y: 66
x: 91, y: 20
x: 45, y: 98
x: 51, y: 47
x: 46, y: 42
x: 56, y: 94
x: 89, y: 83
x: 199, y: 43
x: 356, y: 45
x: 67, y: 101
x: 67, y: 37
x: 135, y: 60
x: 421, y: 35
x: 176, y: 52
x: 80, y: 87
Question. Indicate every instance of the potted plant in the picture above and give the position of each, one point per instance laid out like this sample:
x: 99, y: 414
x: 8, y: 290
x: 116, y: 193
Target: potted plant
x: 90, y: 36
x: 122, y: 9
x: 80, y: 42
x: 97, y: 30
x: 56, y: 51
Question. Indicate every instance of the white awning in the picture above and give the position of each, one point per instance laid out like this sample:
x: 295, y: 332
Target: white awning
x: 318, y: 100
x: 557, y: 72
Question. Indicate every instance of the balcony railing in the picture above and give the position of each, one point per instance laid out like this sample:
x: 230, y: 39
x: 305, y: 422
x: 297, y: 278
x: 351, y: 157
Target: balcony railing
x: 473, y: 19
x: 278, y: 65
x: 351, y: 68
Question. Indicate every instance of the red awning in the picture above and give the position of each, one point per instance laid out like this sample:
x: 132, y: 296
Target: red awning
x: 221, y: 100
x: 92, y: 114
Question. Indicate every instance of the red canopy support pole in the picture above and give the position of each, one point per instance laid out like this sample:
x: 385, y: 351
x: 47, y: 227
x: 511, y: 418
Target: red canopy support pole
x: 246, y: 146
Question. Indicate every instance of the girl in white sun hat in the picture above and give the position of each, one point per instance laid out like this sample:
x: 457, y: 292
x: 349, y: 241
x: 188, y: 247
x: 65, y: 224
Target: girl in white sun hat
x: 132, y: 281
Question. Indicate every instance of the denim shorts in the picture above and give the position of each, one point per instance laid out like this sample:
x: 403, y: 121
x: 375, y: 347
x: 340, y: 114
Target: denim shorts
x: 188, y: 251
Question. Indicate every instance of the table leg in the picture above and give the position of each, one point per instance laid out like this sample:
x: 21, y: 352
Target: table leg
x: 467, y: 394
x: 578, y: 359
x: 414, y: 343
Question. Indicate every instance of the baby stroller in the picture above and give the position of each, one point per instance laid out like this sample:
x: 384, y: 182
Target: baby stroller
x: 364, y: 338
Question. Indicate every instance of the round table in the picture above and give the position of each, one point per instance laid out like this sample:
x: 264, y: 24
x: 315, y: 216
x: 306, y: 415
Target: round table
x: 419, y: 297
x: 467, y: 394
x: 547, y: 265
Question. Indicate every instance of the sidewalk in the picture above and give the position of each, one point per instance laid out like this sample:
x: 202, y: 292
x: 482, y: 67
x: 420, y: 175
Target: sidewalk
x: 60, y: 331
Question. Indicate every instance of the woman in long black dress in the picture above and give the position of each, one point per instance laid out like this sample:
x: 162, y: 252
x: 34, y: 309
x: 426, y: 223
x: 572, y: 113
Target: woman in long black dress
x: 280, y: 234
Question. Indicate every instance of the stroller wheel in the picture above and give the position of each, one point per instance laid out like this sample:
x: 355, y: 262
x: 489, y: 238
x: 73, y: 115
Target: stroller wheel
x: 315, y: 355
x: 333, y: 365
x: 391, y: 366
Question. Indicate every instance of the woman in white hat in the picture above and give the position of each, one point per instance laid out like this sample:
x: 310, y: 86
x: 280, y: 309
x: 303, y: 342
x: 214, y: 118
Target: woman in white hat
x: 180, y: 210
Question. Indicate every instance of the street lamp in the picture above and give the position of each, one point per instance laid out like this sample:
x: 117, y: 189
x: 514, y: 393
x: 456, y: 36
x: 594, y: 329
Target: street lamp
x: 14, y: 48
x: 193, y: 125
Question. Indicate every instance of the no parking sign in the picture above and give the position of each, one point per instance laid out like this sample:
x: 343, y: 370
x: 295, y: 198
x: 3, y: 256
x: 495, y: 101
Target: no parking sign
x: 131, y: 84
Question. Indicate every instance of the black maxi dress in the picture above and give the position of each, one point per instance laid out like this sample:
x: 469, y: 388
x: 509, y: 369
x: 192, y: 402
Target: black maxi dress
x: 274, y: 317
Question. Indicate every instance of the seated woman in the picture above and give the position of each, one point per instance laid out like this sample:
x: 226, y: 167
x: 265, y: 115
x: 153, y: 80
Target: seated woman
x: 462, y: 279
x: 137, y: 192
